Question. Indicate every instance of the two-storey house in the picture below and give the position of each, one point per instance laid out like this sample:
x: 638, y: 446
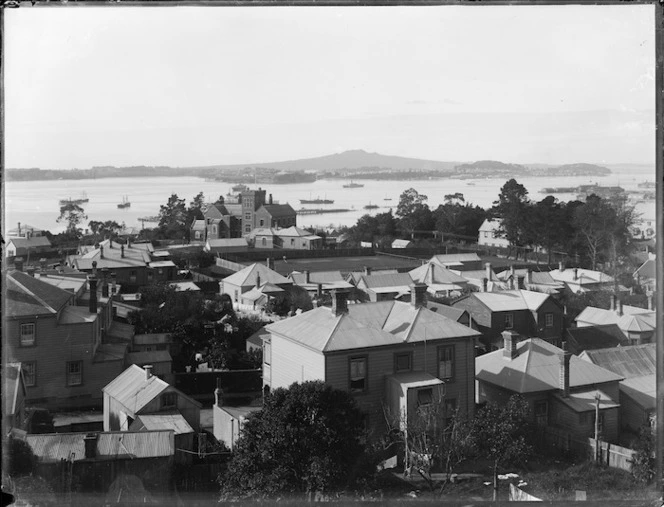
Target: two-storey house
x: 61, y: 346
x: 532, y: 314
x: 440, y: 280
x: 637, y: 324
x: 247, y: 286
x: 377, y: 351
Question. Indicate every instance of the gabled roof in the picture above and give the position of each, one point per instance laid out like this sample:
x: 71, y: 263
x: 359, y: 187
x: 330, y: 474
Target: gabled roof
x: 247, y: 276
x: 633, y: 319
x: 490, y: 225
x: 536, y: 368
x: 198, y: 225
x: 316, y: 277
x: 401, y: 243
x: 24, y: 227
x: 628, y: 361
x: 643, y: 390
x: 72, y: 283
x: 294, y: 231
x: 53, y: 447
x: 596, y: 337
x: 278, y: 210
x: 448, y: 311
x: 135, y: 254
x: 446, y: 259
x: 586, y: 401
x: 511, y: 300
x: 387, y: 280
x: 368, y: 325
x: 215, y: 211
x: 31, y: 242
x: 27, y: 295
x: 583, y: 276
x: 174, y: 421
x: 432, y: 273
x: 134, y: 390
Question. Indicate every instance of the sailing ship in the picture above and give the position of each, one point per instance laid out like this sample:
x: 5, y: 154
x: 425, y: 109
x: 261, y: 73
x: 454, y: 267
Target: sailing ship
x: 125, y: 202
x: 81, y: 200
x: 371, y: 206
x: 318, y: 200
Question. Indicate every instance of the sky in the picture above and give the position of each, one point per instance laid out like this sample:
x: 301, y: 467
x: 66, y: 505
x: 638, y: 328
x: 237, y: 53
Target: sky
x: 195, y: 86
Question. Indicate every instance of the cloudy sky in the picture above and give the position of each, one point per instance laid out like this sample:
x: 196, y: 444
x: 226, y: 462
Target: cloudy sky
x: 187, y: 86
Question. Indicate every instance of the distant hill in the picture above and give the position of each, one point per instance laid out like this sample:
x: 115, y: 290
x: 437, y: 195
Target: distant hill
x: 348, y: 160
x: 486, y: 167
x: 579, y: 169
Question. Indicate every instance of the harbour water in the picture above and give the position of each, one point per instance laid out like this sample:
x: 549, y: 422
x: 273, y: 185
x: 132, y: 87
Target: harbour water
x: 37, y: 202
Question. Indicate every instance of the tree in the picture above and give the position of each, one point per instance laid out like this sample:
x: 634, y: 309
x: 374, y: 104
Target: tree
x: 173, y: 218
x: 413, y: 212
x: 503, y: 434
x: 644, y: 466
x: 512, y: 208
x: 547, y: 226
x: 434, y: 435
x: 458, y: 218
x: 307, y: 438
x: 21, y: 459
x: 195, y: 210
x: 72, y: 214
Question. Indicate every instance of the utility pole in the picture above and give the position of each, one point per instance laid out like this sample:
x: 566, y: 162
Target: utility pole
x: 598, y: 451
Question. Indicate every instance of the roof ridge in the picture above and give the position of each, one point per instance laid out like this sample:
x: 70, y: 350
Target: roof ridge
x: 334, y: 329
x: 40, y: 300
x: 412, y: 325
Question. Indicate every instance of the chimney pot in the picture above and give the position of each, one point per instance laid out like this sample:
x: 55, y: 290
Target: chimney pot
x: 307, y: 276
x: 92, y: 281
x: 510, y: 341
x: 612, y: 306
x: 122, y: 251
x: 576, y: 274
x: 529, y: 277
x: 619, y: 308
x: 367, y: 270
x: 418, y: 293
x: 319, y: 290
x: 484, y: 285
x: 561, y: 266
x: 487, y: 267
x: 564, y: 370
x: 148, y: 371
x: 339, y: 302
x: 101, y: 251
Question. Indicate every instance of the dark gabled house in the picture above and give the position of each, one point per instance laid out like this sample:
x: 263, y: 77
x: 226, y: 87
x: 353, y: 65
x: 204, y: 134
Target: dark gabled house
x: 595, y: 337
x: 531, y: 314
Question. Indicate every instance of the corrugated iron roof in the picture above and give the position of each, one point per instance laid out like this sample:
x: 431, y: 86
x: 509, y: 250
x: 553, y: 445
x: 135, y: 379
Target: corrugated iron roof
x: 510, y: 300
x: 583, y: 276
x: 247, y: 276
x: 597, y: 337
x: 455, y: 258
x: 133, y: 389
x: 53, y: 447
x: 31, y: 242
x: 537, y: 368
x: 152, y: 339
x: 448, y: 311
x: 643, y: 390
x: 585, y: 401
x: 387, y: 280
x: 629, y: 361
x: 316, y: 277
x: 368, y: 325
x: 76, y: 315
x: 279, y: 210
x: 413, y: 379
x: 162, y: 421
x: 27, y: 295
x: 647, y: 269
x: 110, y: 352
x: 432, y: 273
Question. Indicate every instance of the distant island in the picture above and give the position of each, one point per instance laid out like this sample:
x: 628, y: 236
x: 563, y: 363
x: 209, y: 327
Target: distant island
x: 357, y: 164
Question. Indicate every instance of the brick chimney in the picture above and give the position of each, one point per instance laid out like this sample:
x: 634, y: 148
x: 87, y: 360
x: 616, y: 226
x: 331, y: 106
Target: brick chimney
x: 561, y: 266
x: 258, y: 279
x: 484, y: 284
x: 510, y: 341
x: 148, y: 371
x: 418, y: 295
x: 92, y: 280
x: 104, y: 282
x: 564, y: 371
x: 307, y: 276
x: 18, y: 263
x: 487, y: 267
x: 619, y: 307
x: 529, y: 277
x: 367, y: 270
x: 122, y: 251
x: 576, y: 274
x: 319, y: 289
x: 612, y: 305
x: 339, y: 302
x: 19, y: 229
x: 90, y: 441
x: 270, y: 263
x: 270, y: 201
x: 101, y: 251
x: 94, y: 268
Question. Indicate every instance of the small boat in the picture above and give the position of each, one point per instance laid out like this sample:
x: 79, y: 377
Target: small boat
x: 371, y: 206
x: 353, y: 185
x: 318, y: 200
x: 84, y: 197
x: 125, y: 202
x: 240, y: 188
x: 387, y: 199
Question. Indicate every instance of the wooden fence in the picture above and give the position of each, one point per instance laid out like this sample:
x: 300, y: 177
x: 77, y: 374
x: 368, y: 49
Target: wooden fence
x: 611, y: 455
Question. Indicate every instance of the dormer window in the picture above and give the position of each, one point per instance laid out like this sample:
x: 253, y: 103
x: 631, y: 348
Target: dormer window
x: 169, y: 400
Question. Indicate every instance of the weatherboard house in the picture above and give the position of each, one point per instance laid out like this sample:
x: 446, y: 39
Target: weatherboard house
x: 388, y: 353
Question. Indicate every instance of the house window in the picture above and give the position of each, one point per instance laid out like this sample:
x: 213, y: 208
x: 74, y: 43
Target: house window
x: 30, y: 373
x: 247, y: 228
x: 132, y: 276
x: 446, y: 362
x: 267, y: 352
x: 358, y: 374
x: 486, y: 234
x: 262, y: 222
x: 541, y: 413
x: 74, y: 373
x: 214, y: 229
x: 509, y: 321
x: 237, y: 295
x: 169, y: 400
x: 264, y: 241
x: 247, y: 216
x: 197, y: 235
x: 424, y: 396
x: 292, y: 241
x: 27, y: 335
x: 150, y: 275
x: 402, y: 362
x: 548, y: 320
